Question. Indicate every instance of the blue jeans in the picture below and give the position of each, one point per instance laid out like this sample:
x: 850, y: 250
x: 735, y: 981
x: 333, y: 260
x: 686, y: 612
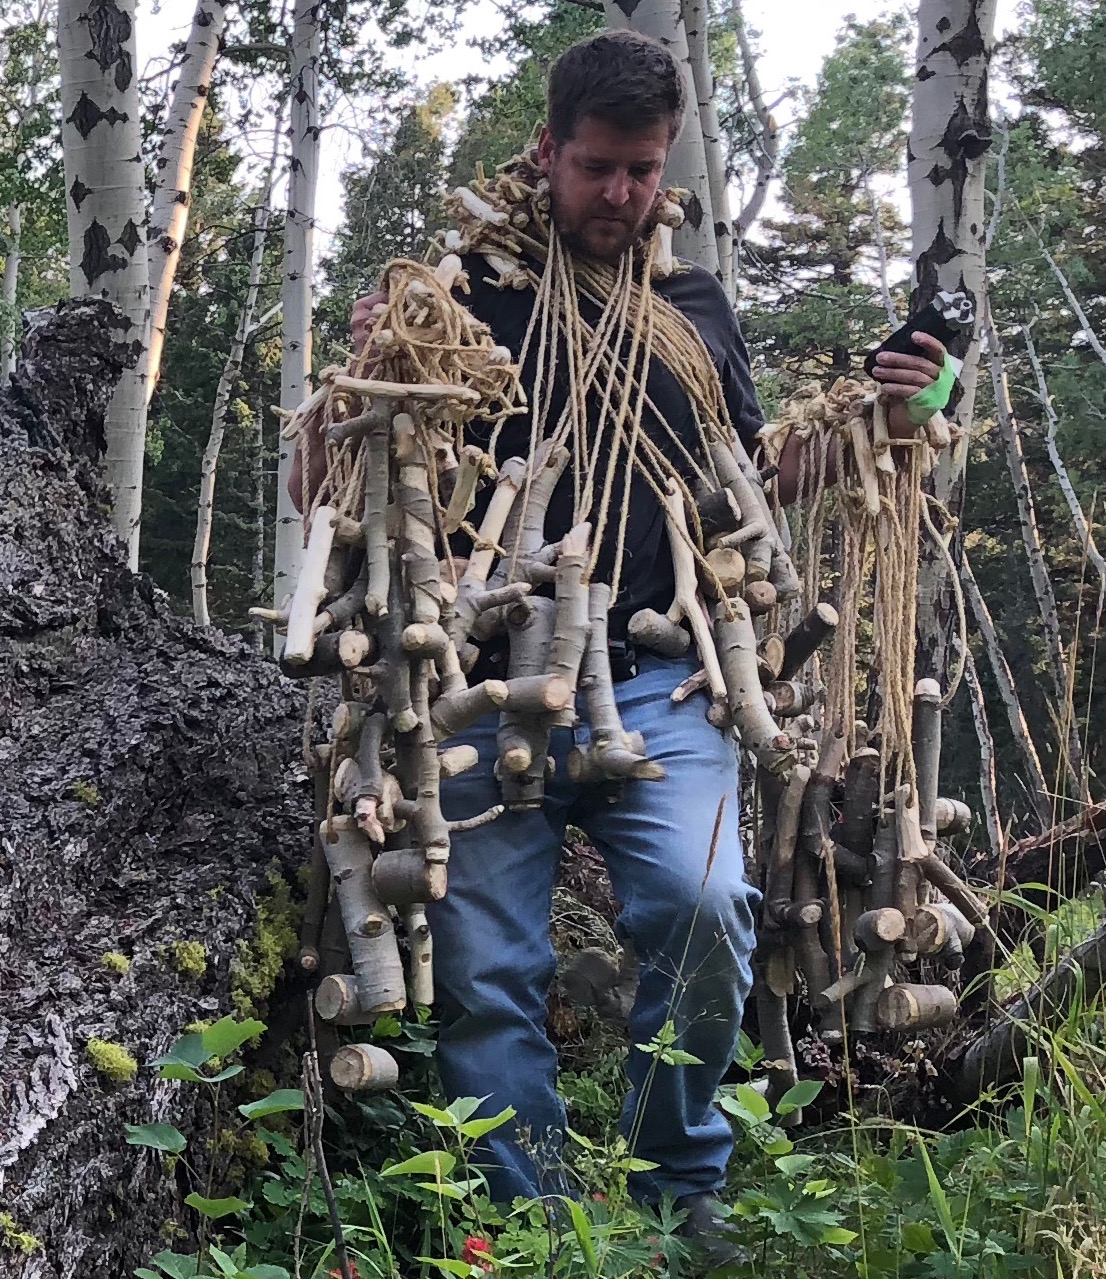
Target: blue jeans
x: 494, y: 962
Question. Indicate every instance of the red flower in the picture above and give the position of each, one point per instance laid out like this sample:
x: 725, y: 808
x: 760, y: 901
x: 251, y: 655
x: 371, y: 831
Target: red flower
x: 353, y: 1271
x: 599, y: 1197
x: 477, y: 1252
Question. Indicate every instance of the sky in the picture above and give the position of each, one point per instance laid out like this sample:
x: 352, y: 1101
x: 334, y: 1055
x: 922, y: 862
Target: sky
x: 795, y: 37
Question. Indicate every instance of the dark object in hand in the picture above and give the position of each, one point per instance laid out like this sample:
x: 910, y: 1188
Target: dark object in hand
x: 947, y: 316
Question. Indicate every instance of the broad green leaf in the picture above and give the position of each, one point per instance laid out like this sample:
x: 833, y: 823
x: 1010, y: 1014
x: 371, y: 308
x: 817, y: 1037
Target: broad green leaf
x: 265, y: 1271
x: 939, y: 1198
x: 282, y: 1099
x: 464, y: 1108
x: 582, y: 1228
x: 387, y: 1027
x: 475, y: 1128
x: 792, y: 1165
x: 440, y: 1117
x: 225, y: 1263
x: 677, y: 1057
x: 156, y: 1136
x: 143, y: 1273
x: 277, y: 1140
x: 753, y: 1102
x: 631, y: 1164
x: 798, y: 1096
x: 216, y: 1208
x: 838, y: 1235
x: 446, y: 1189
x: 438, y: 1163
x: 188, y: 1051
x: 586, y: 1142
x: 177, y: 1265
x: 227, y: 1034
x: 447, y: 1266
x: 917, y: 1236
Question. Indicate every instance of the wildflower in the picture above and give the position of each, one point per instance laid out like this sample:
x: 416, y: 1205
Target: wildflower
x: 354, y: 1273
x: 477, y: 1252
x: 599, y: 1197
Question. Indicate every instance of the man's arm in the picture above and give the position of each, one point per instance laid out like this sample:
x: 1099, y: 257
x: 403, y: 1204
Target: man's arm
x: 361, y: 321
x: 900, y: 377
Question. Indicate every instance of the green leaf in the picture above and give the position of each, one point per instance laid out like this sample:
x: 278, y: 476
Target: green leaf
x: 225, y: 1264
x: 798, y: 1096
x: 939, y: 1198
x: 227, y: 1034
x: 265, y: 1271
x: 188, y: 1051
x: 631, y: 1164
x: 792, y: 1165
x: 752, y: 1101
x: 228, y: 1073
x: 917, y: 1237
x: 440, y: 1117
x: 177, y: 1265
x: 282, y: 1099
x: 143, y: 1273
x: 838, y: 1235
x: 677, y: 1057
x: 586, y: 1142
x: 478, y: 1127
x: 438, y: 1163
x: 447, y: 1266
x: 464, y: 1108
x: 447, y: 1189
x: 156, y: 1137
x: 584, y: 1237
x: 215, y: 1208
x: 387, y: 1027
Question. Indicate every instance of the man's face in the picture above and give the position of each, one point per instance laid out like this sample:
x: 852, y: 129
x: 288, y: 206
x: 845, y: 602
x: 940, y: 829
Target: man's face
x: 602, y: 184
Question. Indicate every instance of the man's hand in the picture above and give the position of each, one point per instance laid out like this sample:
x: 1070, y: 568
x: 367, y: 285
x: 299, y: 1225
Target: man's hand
x: 362, y: 318
x: 901, y: 376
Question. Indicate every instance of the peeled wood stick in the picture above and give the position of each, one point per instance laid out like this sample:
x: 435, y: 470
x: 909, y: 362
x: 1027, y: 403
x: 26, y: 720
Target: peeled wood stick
x: 881, y: 440
x: 884, y: 860
x: 451, y: 714
x: 737, y: 656
x: 403, y: 877
x: 472, y: 584
x: 420, y: 980
x: 372, y: 942
x: 374, y: 521
x: 611, y: 751
x: 336, y: 1001
x: 570, y: 626
x: 788, y: 698
x: 310, y: 590
x: 941, y: 930
x: 548, y: 468
x: 455, y: 760
x: 431, y: 640
x: 737, y: 473
x: 861, y: 796
x: 430, y: 825
x: 364, y: 1068
x: 693, y: 684
x: 394, y: 666
x: 913, y: 1007
x: 770, y: 658
x: 333, y: 654
x: 719, y: 513
x: 804, y: 641
x: 927, y: 754
x: 376, y: 389
x: 912, y: 852
x: 413, y: 498
x: 953, y: 816
x: 954, y: 888
x: 339, y: 613
x: 938, y: 432
x: 779, y: 883
x: 523, y: 737
x: 688, y: 604
x: 318, y: 885
x: 865, y: 463
x: 471, y: 466
x: 507, y: 567
x: 728, y: 569
x: 779, y: 1051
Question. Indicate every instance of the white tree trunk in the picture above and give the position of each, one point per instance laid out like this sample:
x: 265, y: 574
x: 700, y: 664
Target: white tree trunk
x: 105, y: 205
x: 1007, y: 691
x: 206, y: 505
x: 696, y: 23
x: 687, y: 161
x: 8, y: 288
x: 257, y: 575
x: 1078, y: 518
x: 947, y: 161
x: 988, y: 788
x: 173, y: 168
x: 299, y: 235
x: 1038, y: 568
x: 768, y: 140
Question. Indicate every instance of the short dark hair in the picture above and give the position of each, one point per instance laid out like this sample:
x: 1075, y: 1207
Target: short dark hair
x: 621, y: 77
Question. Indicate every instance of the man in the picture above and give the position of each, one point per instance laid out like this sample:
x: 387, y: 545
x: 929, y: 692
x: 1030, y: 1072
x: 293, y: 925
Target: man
x: 615, y: 105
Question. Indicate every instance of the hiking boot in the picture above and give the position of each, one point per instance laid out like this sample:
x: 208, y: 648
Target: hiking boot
x: 709, y: 1232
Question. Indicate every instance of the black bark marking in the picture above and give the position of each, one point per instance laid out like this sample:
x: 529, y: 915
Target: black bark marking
x: 98, y: 259
x: 693, y: 210
x: 86, y: 115
x: 943, y: 24
x: 130, y: 238
x: 77, y: 193
x: 204, y: 19
x: 109, y: 30
x: 964, y: 140
x: 967, y: 43
x: 628, y: 6
x: 720, y: 229
x: 924, y: 74
x: 937, y: 175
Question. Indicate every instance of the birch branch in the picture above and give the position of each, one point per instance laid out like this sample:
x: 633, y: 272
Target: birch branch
x: 988, y: 787
x: 769, y: 133
x: 881, y: 250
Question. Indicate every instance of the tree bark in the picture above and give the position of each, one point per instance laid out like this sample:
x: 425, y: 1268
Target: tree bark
x: 696, y: 15
x: 1038, y: 569
x: 296, y: 296
x: 687, y: 160
x: 949, y: 138
x: 173, y: 168
x: 105, y: 207
x: 257, y: 571
x: 9, y: 287
x: 768, y: 141
x: 101, y: 851
x: 231, y: 369
x: 1037, y: 788
x: 988, y: 787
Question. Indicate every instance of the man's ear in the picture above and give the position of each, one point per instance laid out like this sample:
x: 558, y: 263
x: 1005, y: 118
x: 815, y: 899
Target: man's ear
x: 547, y: 149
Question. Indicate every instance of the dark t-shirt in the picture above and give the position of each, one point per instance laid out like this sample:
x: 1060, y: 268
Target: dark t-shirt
x: 647, y: 578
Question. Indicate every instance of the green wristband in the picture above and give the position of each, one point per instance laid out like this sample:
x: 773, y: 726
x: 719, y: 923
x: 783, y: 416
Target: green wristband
x: 933, y: 398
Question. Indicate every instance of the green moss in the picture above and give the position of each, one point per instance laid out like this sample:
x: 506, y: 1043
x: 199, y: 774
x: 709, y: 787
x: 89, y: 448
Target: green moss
x: 197, y: 1027
x: 258, y: 963
x: 116, y: 962
x: 86, y: 792
x: 16, y: 1239
x: 112, y: 1060
x: 188, y: 958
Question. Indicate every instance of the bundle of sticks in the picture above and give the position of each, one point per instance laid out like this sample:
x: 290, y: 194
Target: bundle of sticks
x: 384, y: 605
